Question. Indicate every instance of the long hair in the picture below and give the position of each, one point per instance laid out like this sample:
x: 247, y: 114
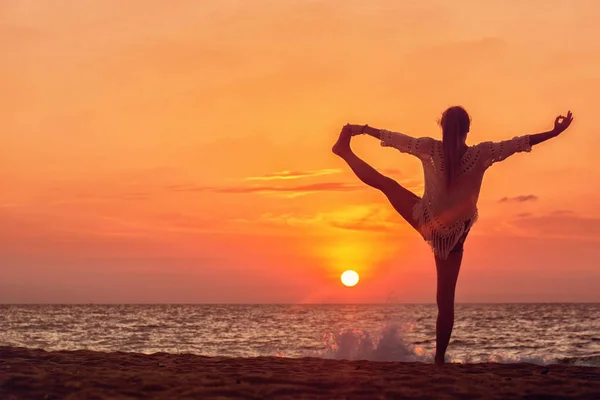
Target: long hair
x: 455, y: 123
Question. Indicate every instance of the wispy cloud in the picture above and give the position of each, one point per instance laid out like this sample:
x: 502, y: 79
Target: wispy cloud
x: 524, y: 215
x: 363, y: 224
x: 315, y: 187
x: 108, y: 193
x: 371, y: 218
x: 520, y: 199
x: 563, y: 212
x: 284, y: 175
x: 568, y: 225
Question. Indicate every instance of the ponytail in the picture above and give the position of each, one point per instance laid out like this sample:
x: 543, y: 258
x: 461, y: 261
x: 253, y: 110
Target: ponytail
x: 451, y: 146
x: 455, y: 123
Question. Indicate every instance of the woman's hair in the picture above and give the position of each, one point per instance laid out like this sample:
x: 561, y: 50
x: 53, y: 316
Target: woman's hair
x: 455, y: 124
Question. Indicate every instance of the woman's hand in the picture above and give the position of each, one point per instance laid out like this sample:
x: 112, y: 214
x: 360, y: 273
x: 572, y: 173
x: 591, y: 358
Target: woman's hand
x: 357, y: 129
x: 362, y: 129
x: 561, y: 123
x: 353, y: 129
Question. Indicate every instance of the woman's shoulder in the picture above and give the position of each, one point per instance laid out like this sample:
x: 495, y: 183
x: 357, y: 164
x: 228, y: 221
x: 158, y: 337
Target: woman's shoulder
x: 435, y: 143
x: 481, y: 146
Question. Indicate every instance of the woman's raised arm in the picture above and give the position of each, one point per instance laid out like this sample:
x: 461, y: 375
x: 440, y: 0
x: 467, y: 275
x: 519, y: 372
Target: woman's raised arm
x: 498, y: 151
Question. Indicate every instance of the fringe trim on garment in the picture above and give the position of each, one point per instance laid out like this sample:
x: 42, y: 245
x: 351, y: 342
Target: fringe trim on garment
x: 441, y: 239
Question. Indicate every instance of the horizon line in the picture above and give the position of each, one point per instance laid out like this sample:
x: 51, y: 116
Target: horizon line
x: 293, y: 304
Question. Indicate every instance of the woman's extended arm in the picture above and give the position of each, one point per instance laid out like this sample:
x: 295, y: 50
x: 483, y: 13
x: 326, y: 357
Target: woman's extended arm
x: 498, y: 151
x: 561, y: 123
x: 421, y: 147
x: 541, y: 137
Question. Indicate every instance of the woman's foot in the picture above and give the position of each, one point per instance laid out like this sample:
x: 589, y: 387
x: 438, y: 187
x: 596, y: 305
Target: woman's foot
x: 342, y: 146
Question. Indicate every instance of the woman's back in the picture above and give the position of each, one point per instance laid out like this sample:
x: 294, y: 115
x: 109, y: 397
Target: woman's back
x: 452, y: 204
x: 445, y: 211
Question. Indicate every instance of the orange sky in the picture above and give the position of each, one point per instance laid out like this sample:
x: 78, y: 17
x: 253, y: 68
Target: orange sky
x: 144, y: 147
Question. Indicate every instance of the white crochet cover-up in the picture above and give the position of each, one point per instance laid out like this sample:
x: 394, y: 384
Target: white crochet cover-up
x: 443, y: 215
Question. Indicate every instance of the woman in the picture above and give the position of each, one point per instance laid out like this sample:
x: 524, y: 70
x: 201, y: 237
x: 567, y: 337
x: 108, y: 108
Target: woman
x: 448, y: 209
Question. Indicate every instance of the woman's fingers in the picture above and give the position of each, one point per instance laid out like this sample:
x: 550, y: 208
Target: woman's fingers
x: 561, y: 122
x: 569, y: 116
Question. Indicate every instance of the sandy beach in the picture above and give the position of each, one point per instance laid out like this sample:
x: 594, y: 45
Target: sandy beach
x: 37, y: 374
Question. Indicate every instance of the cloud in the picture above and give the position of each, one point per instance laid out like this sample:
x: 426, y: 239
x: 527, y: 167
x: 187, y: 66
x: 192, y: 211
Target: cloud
x: 138, y: 195
x: 102, y: 192
x: 363, y: 224
x: 520, y: 199
x: 370, y: 218
x: 315, y: 187
x: 373, y: 217
x: 559, y: 224
x: 563, y: 212
x: 524, y: 215
x: 283, y: 175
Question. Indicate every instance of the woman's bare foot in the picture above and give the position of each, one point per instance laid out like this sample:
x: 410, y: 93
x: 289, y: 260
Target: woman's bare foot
x: 342, y: 146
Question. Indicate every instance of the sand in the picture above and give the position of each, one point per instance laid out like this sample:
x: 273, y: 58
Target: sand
x: 37, y: 374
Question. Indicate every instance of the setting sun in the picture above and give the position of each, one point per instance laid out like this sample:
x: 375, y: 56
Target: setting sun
x: 350, y: 278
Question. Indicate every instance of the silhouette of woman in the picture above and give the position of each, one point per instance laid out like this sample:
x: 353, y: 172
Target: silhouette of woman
x: 448, y: 209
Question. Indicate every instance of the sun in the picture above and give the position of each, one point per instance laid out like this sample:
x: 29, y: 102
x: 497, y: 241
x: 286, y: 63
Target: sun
x: 349, y: 278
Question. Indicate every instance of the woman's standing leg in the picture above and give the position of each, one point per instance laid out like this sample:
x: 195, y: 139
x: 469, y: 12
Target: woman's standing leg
x: 447, y: 275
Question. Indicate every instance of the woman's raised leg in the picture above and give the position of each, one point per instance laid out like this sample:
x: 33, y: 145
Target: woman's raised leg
x: 447, y: 275
x: 402, y: 199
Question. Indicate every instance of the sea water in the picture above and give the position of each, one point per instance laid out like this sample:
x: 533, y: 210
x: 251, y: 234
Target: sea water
x: 536, y: 333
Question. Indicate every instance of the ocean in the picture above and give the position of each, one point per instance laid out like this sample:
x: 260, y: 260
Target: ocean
x: 534, y: 333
